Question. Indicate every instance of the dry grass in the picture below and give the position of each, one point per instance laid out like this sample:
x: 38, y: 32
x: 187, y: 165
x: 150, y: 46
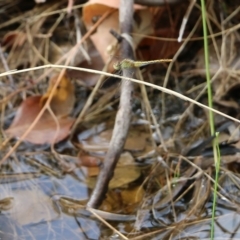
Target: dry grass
x: 177, y: 176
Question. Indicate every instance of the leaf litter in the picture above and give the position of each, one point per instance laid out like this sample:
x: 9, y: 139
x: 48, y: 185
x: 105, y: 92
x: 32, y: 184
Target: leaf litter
x: 154, y: 191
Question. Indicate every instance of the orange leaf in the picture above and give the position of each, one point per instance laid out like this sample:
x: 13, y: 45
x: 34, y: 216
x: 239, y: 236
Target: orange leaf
x: 96, y: 7
x: 63, y: 97
x: 109, y: 3
x: 94, y: 11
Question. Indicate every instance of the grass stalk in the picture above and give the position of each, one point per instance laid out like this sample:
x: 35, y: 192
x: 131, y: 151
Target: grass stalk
x: 216, y: 150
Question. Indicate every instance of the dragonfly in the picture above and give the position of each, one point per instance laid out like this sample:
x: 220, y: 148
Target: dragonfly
x: 128, y: 63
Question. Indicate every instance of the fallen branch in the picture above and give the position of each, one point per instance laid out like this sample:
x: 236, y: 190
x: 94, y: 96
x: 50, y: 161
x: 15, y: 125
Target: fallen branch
x: 123, y: 118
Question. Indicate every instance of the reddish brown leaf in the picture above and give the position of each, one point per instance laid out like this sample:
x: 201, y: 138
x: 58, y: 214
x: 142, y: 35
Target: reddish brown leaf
x: 45, y: 131
x: 87, y: 160
x: 16, y: 38
x: 156, y: 49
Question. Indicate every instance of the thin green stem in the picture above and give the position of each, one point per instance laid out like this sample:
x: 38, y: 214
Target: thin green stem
x: 216, y: 147
x: 206, y: 55
x: 216, y: 150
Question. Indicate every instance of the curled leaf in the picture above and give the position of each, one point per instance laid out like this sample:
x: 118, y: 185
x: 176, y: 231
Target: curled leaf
x: 104, y: 42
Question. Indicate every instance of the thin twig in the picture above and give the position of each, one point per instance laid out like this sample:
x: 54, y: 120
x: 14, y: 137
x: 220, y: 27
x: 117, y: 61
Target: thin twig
x: 185, y: 19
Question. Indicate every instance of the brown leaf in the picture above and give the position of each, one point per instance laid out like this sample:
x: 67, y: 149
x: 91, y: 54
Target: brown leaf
x: 92, y: 12
x: 108, y: 3
x: 92, y: 171
x: 136, y: 141
x: 156, y: 49
x: 102, y: 39
x: 45, y: 129
x: 14, y: 38
x: 133, y: 195
x: 87, y: 160
x: 111, y: 3
x: 125, y: 172
x: 122, y: 177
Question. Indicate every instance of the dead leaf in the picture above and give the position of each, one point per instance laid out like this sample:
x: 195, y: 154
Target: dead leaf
x: 101, y: 39
x: 92, y: 12
x: 31, y: 206
x: 92, y: 163
x: 63, y: 97
x: 136, y: 141
x: 14, y: 38
x: 104, y: 42
x: 143, y: 25
x: 45, y: 130
x: 124, y: 199
x: 110, y: 202
x: 125, y: 159
x: 87, y: 160
x: 90, y: 171
x: 122, y: 177
x: 133, y: 195
x: 126, y: 172
x: 109, y: 3
x: 155, y: 49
